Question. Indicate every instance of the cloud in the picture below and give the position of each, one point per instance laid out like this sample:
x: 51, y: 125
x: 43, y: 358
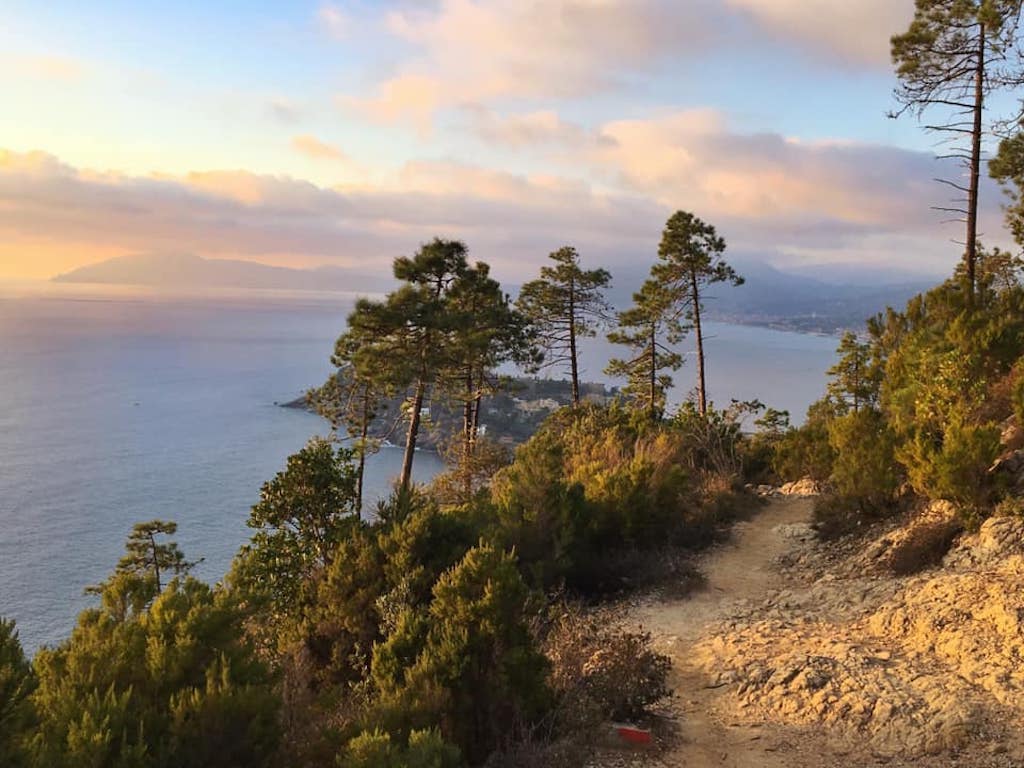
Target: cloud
x: 474, y: 51
x: 543, y: 127
x: 854, y: 32
x: 508, y: 220
x: 312, y: 147
x: 411, y: 97
x: 497, y: 52
x: 771, y: 186
x: 766, y: 194
x: 334, y: 21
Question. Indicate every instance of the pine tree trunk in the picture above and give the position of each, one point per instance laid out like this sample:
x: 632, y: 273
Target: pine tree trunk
x: 476, y: 416
x: 572, y: 345
x: 702, y: 402
x: 467, y: 416
x: 654, y: 374
x: 364, y: 432
x: 156, y: 563
x: 467, y: 435
x: 970, y: 254
x: 405, y: 478
x: 856, y: 382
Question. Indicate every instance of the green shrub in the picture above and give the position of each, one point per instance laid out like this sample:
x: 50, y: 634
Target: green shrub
x: 376, y: 749
x: 172, y: 685
x: 468, y: 664
x: 865, y: 465
x: 806, y: 451
x: 590, y: 485
x: 16, y: 684
x: 838, y: 516
x: 955, y: 467
x: 422, y: 546
x: 343, y: 623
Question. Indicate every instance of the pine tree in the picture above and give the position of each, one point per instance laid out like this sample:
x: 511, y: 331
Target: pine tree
x: 176, y: 684
x: 484, y: 331
x: 400, y: 343
x: 855, y: 381
x: 953, y: 56
x: 690, y: 256
x: 354, y: 399
x: 146, y: 559
x: 648, y: 328
x: 303, y: 514
x: 565, y: 305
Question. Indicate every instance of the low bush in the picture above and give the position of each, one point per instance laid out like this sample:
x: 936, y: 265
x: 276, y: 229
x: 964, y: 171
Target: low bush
x: 924, y: 546
x: 838, y: 516
x: 376, y: 749
x: 1011, y: 506
x: 955, y: 468
x: 600, y: 671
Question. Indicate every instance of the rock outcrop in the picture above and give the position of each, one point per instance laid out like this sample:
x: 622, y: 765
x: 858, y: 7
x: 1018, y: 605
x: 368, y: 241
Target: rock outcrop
x: 804, y: 487
x: 899, y: 667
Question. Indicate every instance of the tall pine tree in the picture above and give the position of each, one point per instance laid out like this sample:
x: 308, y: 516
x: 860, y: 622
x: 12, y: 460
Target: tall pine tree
x: 401, y: 343
x: 855, y: 379
x: 565, y: 305
x: 953, y: 56
x: 690, y: 257
x: 648, y: 329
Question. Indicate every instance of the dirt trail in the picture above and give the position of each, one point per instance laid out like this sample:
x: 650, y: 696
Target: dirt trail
x: 741, y: 571
x: 799, y: 654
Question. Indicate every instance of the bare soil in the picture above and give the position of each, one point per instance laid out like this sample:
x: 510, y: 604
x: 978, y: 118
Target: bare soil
x: 801, y: 654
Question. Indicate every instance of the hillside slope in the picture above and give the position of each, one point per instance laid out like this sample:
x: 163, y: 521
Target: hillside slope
x: 805, y: 654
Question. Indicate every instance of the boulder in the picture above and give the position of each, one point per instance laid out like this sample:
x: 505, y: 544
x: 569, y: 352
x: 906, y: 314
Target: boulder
x: 804, y: 487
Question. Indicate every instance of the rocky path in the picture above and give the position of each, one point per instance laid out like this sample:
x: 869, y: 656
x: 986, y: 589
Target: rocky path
x: 739, y: 574
x: 798, y: 654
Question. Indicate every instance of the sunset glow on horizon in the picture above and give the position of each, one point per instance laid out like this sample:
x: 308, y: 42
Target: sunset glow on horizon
x: 345, y: 133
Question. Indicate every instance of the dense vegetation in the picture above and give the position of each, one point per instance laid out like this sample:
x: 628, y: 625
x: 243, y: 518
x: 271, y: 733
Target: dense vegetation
x: 448, y: 627
x: 435, y: 634
x: 928, y: 403
x: 919, y: 407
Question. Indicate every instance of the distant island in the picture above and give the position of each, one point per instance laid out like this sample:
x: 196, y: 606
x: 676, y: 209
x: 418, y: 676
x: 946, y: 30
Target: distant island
x: 185, y: 270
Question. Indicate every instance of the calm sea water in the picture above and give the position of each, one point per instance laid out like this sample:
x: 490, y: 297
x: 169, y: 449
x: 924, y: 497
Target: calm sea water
x: 117, y: 407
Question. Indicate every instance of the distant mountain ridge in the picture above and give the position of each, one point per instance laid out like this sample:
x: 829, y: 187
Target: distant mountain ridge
x: 184, y: 270
x: 783, y: 299
x: 769, y: 297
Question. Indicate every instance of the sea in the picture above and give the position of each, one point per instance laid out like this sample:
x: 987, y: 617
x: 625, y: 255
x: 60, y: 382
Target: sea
x: 124, y: 405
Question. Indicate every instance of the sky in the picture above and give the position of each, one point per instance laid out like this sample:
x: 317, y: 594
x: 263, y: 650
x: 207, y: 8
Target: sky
x: 348, y: 132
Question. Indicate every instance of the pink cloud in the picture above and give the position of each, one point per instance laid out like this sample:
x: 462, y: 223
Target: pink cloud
x: 853, y: 32
x: 819, y: 202
x: 474, y: 51
x: 314, y: 148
